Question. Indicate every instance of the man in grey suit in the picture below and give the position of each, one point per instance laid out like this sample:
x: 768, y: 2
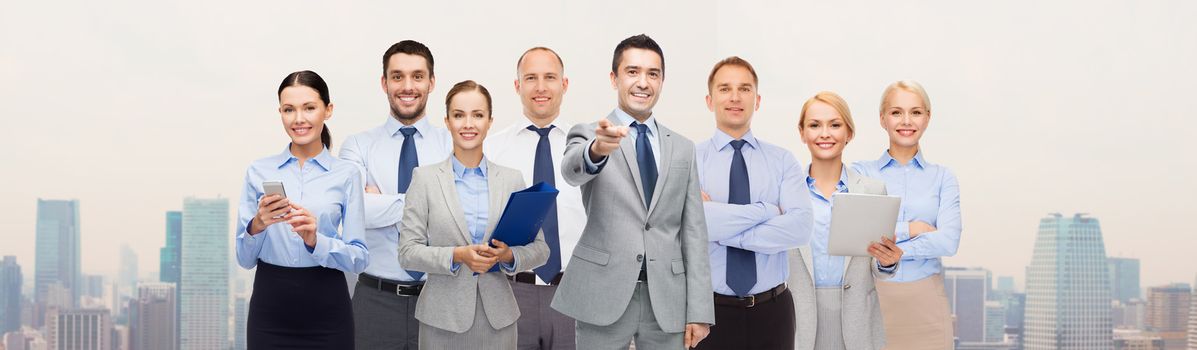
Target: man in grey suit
x: 641, y: 269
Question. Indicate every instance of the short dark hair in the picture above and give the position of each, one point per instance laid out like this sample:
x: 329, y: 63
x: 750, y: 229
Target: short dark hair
x: 539, y: 48
x: 410, y: 47
x: 468, y: 85
x: 731, y: 61
x: 640, y: 41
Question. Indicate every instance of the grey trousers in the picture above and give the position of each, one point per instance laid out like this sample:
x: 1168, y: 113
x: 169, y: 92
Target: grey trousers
x: 829, y: 332
x: 384, y: 321
x: 481, y: 335
x: 540, y: 326
x: 638, y: 322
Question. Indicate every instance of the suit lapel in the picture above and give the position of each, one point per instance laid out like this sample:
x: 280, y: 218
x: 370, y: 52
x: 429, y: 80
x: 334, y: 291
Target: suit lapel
x: 449, y: 189
x: 496, y: 188
x: 806, y: 259
x: 666, y: 157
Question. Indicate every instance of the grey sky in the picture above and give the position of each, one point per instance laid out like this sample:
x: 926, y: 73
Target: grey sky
x: 1069, y: 106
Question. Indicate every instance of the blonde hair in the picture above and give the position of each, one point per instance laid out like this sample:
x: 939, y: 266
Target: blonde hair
x: 836, y: 102
x: 907, y: 85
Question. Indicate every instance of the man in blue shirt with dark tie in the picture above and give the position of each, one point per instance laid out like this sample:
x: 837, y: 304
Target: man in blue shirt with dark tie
x: 756, y: 209
x: 384, y: 300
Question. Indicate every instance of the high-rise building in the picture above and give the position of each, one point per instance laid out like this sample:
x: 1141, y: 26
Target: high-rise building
x: 1124, y: 279
x: 79, y: 329
x: 1005, y: 284
x: 995, y: 321
x: 241, y: 322
x: 168, y: 268
x: 1168, y: 314
x: 1016, y: 304
x: 10, y: 295
x: 152, y: 318
x: 56, y: 260
x: 204, y: 279
x: 967, y: 291
x: 25, y: 338
x: 1129, y: 315
x: 1133, y: 339
x: 1068, y: 287
x: 127, y: 278
x: 1193, y: 318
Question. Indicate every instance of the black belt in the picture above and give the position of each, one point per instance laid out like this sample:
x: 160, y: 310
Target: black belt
x: 530, y: 278
x: 751, y: 300
x: 389, y: 286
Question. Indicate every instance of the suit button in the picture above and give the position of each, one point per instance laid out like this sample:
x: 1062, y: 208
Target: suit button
x: 647, y: 227
x: 640, y: 258
x: 846, y: 286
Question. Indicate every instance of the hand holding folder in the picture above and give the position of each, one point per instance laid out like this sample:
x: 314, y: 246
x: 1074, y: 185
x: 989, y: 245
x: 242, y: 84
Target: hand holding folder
x: 523, y: 216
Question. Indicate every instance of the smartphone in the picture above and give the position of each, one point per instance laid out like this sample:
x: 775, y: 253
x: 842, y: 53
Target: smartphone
x: 274, y: 187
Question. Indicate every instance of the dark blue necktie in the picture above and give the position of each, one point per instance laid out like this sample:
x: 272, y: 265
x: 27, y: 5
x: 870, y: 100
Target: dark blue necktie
x: 407, y: 163
x: 647, y: 162
x: 741, y: 264
x: 408, y: 160
x: 542, y: 171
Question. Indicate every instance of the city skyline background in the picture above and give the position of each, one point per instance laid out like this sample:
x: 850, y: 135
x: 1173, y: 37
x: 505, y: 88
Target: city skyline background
x: 1037, y: 107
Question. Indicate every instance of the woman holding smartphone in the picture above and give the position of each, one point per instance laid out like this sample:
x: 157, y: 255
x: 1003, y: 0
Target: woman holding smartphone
x: 451, y: 212
x: 834, y: 295
x: 300, y: 299
x: 913, y: 302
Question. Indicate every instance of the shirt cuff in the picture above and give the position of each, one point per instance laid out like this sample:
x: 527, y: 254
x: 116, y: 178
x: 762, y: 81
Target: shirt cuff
x: 902, y: 232
x: 510, y: 268
x: 320, y: 249
x: 591, y: 166
x: 887, y: 270
x: 453, y: 267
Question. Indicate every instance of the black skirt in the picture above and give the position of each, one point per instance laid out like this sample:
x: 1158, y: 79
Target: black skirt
x: 299, y: 308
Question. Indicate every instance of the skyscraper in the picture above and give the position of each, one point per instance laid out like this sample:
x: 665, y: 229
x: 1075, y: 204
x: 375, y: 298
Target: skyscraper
x: 1016, y: 305
x: 1124, y: 279
x: 204, y: 281
x: 995, y: 321
x: 127, y: 278
x: 168, y: 269
x: 241, y: 322
x: 10, y: 295
x: 1168, y: 314
x: 56, y: 260
x: 1193, y: 317
x: 82, y: 329
x: 153, y: 319
x: 1068, y: 287
x: 967, y: 291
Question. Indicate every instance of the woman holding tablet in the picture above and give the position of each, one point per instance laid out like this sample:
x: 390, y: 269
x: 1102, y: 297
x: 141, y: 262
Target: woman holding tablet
x: 300, y: 299
x: 913, y: 301
x: 451, y: 211
x: 834, y: 298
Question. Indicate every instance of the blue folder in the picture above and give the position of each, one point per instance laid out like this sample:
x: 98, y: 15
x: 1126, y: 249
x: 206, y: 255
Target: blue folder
x: 523, y: 216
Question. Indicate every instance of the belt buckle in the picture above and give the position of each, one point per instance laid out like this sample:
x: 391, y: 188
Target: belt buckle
x: 752, y: 300
x: 399, y: 290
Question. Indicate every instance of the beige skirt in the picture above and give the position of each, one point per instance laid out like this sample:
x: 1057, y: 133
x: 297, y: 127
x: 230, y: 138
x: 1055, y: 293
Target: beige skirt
x: 916, y: 314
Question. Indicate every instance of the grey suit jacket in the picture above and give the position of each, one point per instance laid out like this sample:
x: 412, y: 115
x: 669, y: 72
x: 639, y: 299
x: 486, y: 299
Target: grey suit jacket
x: 433, y: 224
x: 671, y: 235
x: 861, y: 312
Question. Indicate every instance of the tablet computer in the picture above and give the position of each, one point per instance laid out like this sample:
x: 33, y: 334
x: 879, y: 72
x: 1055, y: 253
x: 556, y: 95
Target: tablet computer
x: 858, y: 219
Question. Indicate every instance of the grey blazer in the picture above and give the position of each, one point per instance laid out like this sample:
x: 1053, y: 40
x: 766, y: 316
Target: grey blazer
x: 433, y: 224
x: 671, y: 235
x: 861, y: 312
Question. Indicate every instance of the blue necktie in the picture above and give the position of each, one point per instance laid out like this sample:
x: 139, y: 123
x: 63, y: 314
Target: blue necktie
x: 542, y: 171
x: 741, y: 264
x: 407, y: 163
x: 648, y: 163
x: 408, y: 160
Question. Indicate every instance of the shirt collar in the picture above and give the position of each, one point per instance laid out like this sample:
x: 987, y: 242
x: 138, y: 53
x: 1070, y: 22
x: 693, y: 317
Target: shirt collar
x: 626, y: 119
x: 839, y: 187
x: 393, y: 125
x: 460, y: 170
x: 556, y: 125
x: 887, y: 160
x: 324, y: 159
x: 722, y: 140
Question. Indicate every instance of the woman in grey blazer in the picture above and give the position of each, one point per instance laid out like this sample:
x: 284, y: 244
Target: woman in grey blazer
x: 834, y: 296
x: 451, y: 211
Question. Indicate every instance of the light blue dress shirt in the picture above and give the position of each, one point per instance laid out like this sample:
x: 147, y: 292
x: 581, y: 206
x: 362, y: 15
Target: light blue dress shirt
x: 474, y: 196
x: 327, y: 187
x: 931, y: 194
x: 829, y: 270
x: 775, y: 180
x: 626, y: 120
x: 376, y: 152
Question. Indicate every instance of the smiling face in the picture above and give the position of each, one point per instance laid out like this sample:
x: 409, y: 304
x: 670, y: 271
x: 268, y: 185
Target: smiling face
x: 638, y: 81
x: 905, y: 118
x: 541, y: 85
x: 824, y: 131
x: 468, y: 120
x: 733, y: 97
x: 303, y: 114
x: 407, y: 83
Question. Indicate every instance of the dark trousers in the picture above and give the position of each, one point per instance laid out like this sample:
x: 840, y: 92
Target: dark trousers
x: 299, y: 308
x: 385, y: 321
x: 768, y: 325
x: 540, y: 326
